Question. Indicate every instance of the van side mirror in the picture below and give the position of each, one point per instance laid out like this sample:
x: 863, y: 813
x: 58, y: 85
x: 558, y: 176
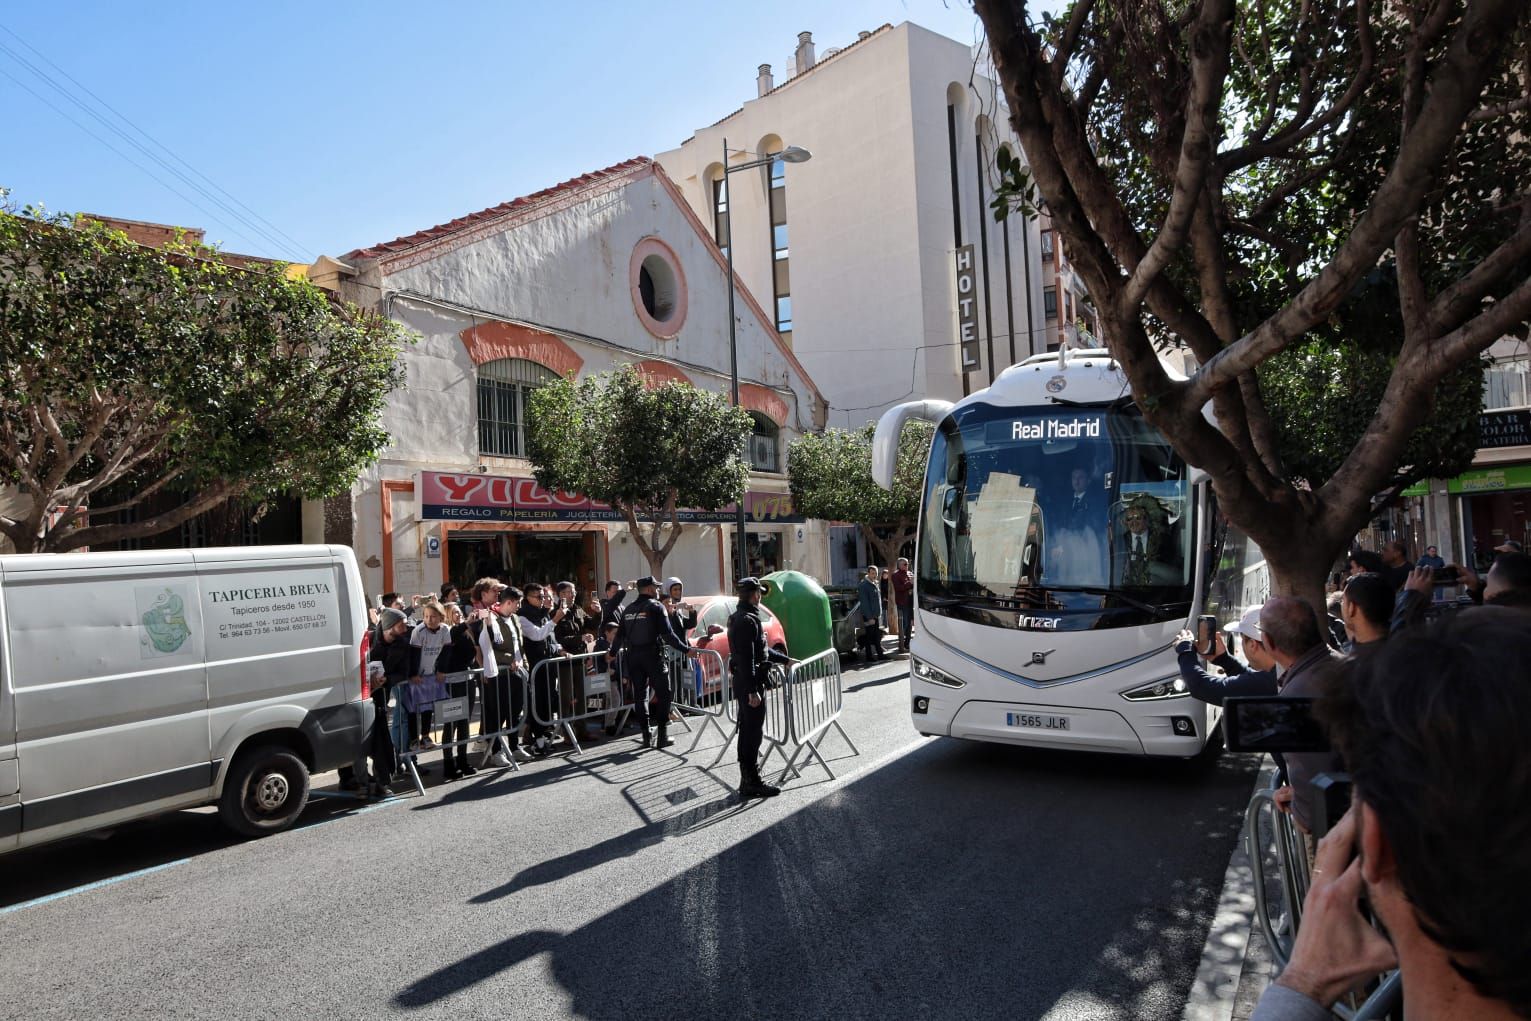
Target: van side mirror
x: 713, y: 630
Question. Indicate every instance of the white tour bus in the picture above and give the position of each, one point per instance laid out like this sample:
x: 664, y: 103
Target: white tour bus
x: 1062, y: 545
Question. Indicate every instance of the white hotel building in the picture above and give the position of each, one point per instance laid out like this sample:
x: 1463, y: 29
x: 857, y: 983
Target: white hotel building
x: 854, y: 252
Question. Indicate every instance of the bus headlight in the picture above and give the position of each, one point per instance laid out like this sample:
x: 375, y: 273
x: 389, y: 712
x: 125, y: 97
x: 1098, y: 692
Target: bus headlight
x: 1165, y: 687
x: 925, y: 672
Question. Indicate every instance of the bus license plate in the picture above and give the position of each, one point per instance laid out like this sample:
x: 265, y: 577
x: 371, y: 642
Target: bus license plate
x: 1037, y: 722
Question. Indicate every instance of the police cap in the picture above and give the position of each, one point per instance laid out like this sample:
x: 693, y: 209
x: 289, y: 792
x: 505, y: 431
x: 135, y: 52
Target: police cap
x: 647, y: 581
x: 750, y: 585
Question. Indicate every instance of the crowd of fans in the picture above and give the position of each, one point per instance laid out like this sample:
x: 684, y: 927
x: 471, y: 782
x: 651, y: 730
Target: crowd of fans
x: 1426, y: 699
x: 487, y: 648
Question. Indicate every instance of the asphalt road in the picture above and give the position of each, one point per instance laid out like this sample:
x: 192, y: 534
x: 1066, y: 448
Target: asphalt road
x: 935, y: 878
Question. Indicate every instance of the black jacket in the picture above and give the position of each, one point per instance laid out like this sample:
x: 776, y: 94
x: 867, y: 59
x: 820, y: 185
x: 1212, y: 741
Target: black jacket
x: 644, y: 626
x: 400, y: 660
x: 682, y: 619
x: 536, y: 652
x: 749, y: 658
x: 570, y: 632
x: 611, y: 607
x: 459, y: 652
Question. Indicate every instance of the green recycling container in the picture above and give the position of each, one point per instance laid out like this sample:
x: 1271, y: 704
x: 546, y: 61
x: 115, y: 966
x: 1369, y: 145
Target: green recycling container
x: 801, y: 605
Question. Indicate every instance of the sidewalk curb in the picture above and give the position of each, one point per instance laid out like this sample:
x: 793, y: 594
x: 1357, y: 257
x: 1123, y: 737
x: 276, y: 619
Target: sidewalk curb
x: 1214, y: 991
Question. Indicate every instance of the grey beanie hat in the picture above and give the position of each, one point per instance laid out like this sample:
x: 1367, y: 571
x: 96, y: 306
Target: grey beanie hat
x: 389, y: 617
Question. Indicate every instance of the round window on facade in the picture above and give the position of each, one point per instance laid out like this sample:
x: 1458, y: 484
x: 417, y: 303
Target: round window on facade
x: 658, y: 287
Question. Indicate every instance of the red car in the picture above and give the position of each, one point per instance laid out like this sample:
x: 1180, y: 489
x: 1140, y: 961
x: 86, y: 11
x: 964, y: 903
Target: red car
x: 711, y: 632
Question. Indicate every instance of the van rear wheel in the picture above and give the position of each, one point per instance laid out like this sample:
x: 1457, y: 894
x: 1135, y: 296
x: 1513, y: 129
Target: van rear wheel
x: 266, y: 790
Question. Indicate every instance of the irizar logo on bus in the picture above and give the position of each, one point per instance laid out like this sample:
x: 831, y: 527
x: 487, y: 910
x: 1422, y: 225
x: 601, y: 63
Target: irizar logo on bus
x: 1043, y: 623
x: 1056, y: 429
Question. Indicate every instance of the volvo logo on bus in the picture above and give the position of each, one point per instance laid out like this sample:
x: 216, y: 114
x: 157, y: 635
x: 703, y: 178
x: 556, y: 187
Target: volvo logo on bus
x: 1039, y: 623
x: 1039, y: 656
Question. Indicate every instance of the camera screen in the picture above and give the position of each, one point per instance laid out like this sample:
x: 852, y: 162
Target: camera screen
x: 1274, y: 724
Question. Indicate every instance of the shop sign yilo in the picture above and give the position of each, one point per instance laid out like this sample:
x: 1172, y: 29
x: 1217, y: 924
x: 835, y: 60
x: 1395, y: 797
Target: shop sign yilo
x: 447, y: 496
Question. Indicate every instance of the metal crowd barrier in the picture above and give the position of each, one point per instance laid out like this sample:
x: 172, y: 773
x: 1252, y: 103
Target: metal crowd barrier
x: 1289, y: 850
x: 586, y: 672
x: 476, y: 681
x: 802, y: 705
x: 814, y: 697
x: 701, y: 689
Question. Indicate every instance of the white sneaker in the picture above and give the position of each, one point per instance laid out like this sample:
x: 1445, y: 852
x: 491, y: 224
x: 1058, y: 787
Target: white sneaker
x: 521, y: 754
x: 499, y: 759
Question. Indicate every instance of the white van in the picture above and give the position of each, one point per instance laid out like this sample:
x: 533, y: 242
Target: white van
x: 136, y: 683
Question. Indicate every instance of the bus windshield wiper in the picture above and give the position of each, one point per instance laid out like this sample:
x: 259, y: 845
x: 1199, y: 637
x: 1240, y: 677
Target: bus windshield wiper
x: 1096, y: 590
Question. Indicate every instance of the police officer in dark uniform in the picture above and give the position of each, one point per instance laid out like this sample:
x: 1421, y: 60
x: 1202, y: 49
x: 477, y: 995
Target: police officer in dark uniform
x: 749, y: 661
x: 644, y: 627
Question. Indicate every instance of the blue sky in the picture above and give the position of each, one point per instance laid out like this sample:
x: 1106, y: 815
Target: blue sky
x: 348, y: 123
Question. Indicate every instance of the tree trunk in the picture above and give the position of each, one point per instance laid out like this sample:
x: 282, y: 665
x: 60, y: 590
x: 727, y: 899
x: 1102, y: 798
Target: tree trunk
x: 888, y: 549
x: 1300, y: 569
x: 662, y: 536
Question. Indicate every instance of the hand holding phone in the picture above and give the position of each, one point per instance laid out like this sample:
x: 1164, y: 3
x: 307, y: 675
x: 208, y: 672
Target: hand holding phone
x: 1206, y: 627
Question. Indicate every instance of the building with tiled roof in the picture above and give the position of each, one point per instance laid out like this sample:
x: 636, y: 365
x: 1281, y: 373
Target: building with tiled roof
x: 608, y: 269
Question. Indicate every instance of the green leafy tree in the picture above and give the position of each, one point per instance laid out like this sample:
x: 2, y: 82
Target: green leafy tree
x: 648, y: 452
x: 130, y: 374
x: 1233, y: 175
x: 831, y: 478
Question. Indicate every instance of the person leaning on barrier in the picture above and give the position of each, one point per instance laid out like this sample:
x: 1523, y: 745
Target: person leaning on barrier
x: 1433, y: 725
x: 452, y: 666
x: 503, y: 659
x: 1259, y: 678
x: 399, y: 662
x: 644, y: 627
x: 749, y: 662
x: 537, y: 626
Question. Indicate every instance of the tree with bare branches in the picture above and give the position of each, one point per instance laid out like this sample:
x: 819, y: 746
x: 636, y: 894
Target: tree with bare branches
x: 134, y: 377
x: 1227, y: 174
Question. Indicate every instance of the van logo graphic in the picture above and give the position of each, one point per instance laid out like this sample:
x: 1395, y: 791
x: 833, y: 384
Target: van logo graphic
x: 1056, y: 385
x: 1039, y: 657
x: 162, y: 614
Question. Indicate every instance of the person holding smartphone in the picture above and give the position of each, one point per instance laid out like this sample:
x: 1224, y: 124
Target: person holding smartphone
x: 1258, y: 678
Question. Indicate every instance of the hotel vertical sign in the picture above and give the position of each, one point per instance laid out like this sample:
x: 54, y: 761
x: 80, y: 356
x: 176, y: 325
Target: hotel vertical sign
x: 967, y: 307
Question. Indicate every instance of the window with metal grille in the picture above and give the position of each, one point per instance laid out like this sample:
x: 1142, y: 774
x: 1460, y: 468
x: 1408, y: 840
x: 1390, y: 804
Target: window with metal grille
x: 764, y: 444
x: 503, y: 387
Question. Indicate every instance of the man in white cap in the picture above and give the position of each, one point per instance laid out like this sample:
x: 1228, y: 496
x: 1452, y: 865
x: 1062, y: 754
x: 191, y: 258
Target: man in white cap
x: 1258, y: 678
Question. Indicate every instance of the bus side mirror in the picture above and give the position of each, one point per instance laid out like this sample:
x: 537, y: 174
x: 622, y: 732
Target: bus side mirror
x: 949, y: 507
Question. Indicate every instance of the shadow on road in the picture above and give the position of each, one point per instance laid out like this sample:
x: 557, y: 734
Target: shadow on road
x: 878, y: 682
x: 146, y: 843
x: 960, y: 880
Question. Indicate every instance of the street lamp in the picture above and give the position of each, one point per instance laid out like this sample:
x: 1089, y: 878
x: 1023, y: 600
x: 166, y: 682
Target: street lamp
x: 790, y: 154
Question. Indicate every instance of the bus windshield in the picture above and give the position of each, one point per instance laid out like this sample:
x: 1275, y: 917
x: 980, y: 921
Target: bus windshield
x: 1058, y: 508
